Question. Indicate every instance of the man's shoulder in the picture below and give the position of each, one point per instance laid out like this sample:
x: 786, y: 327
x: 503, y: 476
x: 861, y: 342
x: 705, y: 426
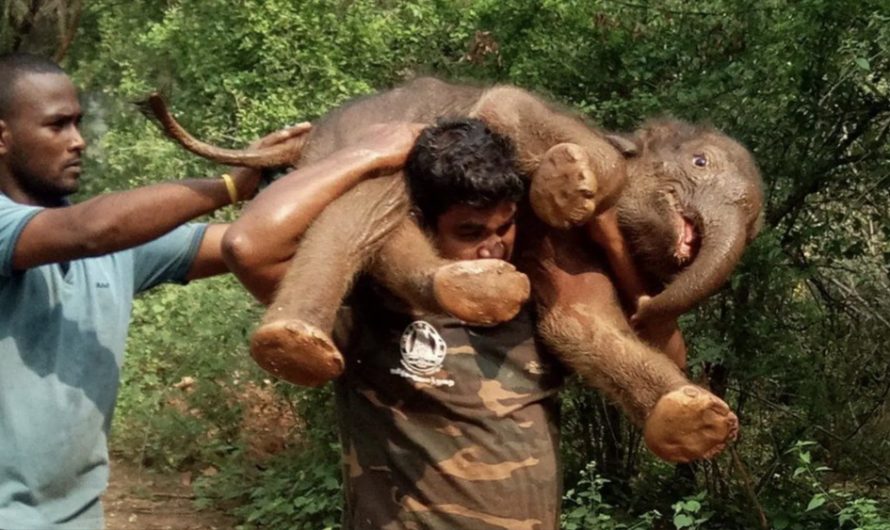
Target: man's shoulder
x: 13, y: 218
x: 6, y: 201
x: 9, y: 207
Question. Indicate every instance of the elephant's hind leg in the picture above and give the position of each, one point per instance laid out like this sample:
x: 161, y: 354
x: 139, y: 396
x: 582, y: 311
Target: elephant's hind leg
x: 293, y: 341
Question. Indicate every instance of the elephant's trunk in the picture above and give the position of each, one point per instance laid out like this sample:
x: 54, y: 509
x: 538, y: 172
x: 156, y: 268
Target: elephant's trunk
x: 285, y: 154
x: 723, y: 240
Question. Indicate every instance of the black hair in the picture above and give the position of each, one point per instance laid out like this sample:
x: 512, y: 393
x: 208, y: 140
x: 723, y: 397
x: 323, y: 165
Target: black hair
x: 15, y: 65
x: 461, y: 161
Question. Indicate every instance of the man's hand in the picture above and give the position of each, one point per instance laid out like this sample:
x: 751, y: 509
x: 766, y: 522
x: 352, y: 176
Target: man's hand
x: 247, y: 180
x: 389, y: 143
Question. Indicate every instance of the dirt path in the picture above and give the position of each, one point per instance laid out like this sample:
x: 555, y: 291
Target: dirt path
x: 138, y: 499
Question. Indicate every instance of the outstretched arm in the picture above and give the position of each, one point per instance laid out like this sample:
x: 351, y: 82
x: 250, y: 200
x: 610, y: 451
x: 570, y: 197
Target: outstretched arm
x: 121, y: 220
x: 258, y: 246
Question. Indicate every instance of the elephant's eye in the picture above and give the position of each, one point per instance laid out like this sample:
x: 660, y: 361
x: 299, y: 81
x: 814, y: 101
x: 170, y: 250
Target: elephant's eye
x: 700, y: 160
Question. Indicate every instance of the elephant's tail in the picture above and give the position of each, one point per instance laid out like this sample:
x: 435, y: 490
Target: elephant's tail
x: 285, y: 154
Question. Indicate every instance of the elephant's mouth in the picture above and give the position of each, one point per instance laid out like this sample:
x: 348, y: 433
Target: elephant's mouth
x: 688, y: 239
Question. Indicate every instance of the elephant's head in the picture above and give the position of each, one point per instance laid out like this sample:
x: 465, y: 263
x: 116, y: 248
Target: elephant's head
x: 693, y: 202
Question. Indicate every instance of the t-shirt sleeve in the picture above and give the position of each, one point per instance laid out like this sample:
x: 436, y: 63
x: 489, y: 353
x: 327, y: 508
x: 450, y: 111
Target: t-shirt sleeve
x: 13, y: 218
x: 167, y: 258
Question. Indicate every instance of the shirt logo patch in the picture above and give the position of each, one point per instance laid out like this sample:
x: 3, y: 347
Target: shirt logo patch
x: 423, y: 351
x: 102, y: 285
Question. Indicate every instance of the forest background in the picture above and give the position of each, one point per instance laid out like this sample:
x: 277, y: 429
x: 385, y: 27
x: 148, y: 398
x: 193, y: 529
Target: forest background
x: 796, y: 342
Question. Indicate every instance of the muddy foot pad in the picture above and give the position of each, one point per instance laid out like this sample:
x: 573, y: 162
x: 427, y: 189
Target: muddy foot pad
x: 296, y: 352
x: 482, y: 292
x: 688, y: 424
x: 563, y: 187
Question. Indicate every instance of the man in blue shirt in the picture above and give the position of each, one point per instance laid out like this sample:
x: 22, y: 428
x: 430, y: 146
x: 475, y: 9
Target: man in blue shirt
x: 68, y: 274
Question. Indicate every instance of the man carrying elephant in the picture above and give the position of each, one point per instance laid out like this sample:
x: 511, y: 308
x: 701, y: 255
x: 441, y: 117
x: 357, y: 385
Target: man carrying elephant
x: 444, y: 425
x: 691, y: 204
x: 678, y: 202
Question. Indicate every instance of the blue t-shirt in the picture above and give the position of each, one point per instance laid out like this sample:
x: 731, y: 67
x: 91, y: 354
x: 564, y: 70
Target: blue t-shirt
x: 62, y: 336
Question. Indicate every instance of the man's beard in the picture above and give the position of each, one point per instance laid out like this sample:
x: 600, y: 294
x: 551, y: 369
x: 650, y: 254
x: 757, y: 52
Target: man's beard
x: 46, y: 191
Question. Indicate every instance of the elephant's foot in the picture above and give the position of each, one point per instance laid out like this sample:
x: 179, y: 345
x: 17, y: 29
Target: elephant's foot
x: 296, y: 352
x: 563, y: 187
x: 688, y: 424
x: 482, y: 292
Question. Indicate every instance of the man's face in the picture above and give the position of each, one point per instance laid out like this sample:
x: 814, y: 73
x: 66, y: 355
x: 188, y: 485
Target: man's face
x: 40, y: 143
x: 464, y: 232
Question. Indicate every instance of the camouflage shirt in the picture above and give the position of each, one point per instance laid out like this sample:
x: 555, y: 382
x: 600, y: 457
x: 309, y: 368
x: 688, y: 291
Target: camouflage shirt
x: 446, y: 426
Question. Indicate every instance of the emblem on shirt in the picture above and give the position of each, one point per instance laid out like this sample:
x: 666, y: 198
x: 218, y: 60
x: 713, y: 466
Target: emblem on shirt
x: 423, y: 351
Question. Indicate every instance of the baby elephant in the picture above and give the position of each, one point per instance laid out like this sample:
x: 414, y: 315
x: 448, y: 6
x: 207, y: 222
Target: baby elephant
x: 688, y: 201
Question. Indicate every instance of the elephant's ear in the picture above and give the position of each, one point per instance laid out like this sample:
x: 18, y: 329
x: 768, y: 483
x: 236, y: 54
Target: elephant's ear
x: 628, y: 146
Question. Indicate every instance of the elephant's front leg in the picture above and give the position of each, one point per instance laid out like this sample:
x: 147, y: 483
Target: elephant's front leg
x: 293, y: 341
x: 481, y: 292
x: 563, y: 188
x: 575, y: 170
x: 582, y: 322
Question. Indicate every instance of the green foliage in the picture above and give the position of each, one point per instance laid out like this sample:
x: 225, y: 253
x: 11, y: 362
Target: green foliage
x: 810, y: 504
x: 299, y: 489
x: 584, y: 507
x: 199, y: 332
x: 690, y: 513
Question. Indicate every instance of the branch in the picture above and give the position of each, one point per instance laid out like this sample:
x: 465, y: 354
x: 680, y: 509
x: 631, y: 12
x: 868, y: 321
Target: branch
x: 854, y: 294
x: 67, y: 36
x: 27, y: 24
x: 749, y: 488
x: 796, y: 199
x: 871, y: 414
x: 647, y: 7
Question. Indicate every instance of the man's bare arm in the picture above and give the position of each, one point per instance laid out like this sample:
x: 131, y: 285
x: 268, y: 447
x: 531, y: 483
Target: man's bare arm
x: 115, y: 221
x: 121, y: 220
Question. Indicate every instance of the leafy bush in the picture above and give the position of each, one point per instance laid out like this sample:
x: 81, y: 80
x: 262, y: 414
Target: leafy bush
x: 584, y: 507
x: 196, y: 334
x: 299, y: 488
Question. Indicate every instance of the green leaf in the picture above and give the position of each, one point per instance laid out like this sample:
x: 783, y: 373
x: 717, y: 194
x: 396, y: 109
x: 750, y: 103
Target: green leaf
x: 331, y: 483
x: 682, y: 520
x: 862, y: 63
x: 817, y: 501
x: 692, y: 506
